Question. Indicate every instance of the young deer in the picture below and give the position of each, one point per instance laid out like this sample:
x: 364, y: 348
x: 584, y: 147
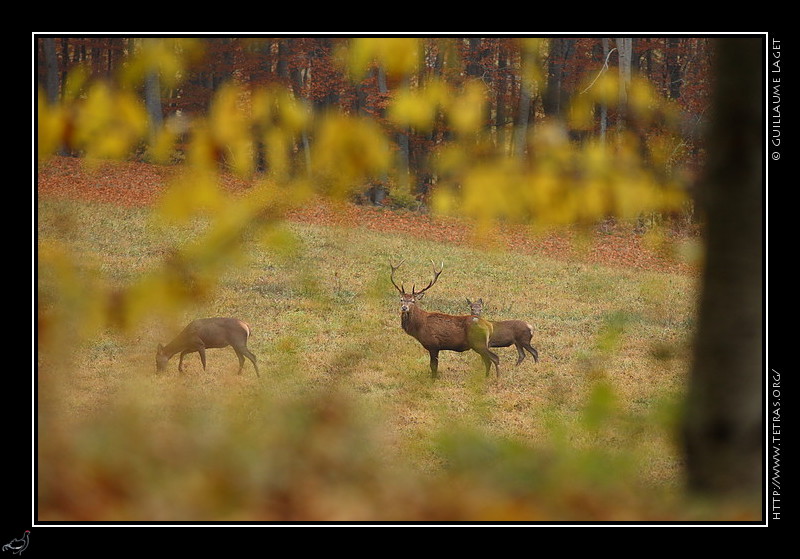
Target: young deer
x: 443, y: 332
x: 206, y: 333
x: 508, y: 332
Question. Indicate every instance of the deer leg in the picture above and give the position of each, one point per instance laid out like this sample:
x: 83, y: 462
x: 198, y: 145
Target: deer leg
x: 434, y: 362
x: 241, y: 354
x: 241, y: 359
x: 496, y: 360
x: 520, y: 353
x: 532, y: 351
x: 180, y: 361
x: 202, y: 351
x: 490, y: 357
x: 487, y: 362
x: 252, y: 358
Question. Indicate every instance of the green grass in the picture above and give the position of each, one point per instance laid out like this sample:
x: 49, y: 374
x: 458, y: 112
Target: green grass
x: 345, y: 422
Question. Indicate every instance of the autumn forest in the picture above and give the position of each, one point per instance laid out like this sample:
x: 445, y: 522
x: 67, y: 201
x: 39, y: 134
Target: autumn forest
x: 520, y: 83
x: 597, y: 190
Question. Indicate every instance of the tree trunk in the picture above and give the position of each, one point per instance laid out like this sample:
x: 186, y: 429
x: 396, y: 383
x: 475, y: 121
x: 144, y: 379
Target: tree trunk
x: 51, y: 69
x: 625, y: 50
x: 604, y: 105
x: 327, y: 80
x: 500, y: 97
x: 377, y: 192
x: 523, y: 112
x: 673, y: 68
x: 556, y: 96
x: 152, y: 94
x: 66, y: 63
x: 290, y: 72
x: 723, y: 426
x: 473, y: 66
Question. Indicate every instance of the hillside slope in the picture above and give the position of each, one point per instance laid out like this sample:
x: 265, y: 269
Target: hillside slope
x: 140, y: 184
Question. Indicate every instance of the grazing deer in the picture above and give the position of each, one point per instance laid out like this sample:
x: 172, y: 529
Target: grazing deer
x: 439, y: 332
x: 508, y: 332
x: 204, y: 333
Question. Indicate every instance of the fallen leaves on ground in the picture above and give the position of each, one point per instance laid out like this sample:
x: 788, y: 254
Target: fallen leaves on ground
x: 140, y: 184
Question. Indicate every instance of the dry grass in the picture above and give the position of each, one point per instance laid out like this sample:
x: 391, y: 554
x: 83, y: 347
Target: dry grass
x: 345, y: 422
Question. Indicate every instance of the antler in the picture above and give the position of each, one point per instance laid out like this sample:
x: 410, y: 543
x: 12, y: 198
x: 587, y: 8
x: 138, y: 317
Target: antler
x: 394, y: 268
x: 435, y: 277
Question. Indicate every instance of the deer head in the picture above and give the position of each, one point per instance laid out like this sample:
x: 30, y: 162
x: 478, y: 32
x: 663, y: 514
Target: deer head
x: 475, y: 307
x: 407, y: 300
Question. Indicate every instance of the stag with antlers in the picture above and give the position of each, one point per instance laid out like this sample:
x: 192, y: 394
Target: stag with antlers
x: 443, y: 332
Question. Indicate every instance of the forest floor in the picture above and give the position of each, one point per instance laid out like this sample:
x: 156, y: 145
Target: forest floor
x: 614, y: 244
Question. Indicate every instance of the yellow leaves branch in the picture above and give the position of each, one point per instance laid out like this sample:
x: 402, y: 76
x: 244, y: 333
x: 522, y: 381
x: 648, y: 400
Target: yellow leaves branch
x: 168, y: 58
x: 562, y: 183
x: 399, y: 56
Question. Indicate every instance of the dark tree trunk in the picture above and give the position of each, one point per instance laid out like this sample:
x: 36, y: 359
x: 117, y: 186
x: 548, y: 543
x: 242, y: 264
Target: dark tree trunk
x: 673, y: 68
x: 290, y: 71
x: 500, y: 96
x: 51, y: 69
x: 625, y: 52
x: 152, y: 93
x: 723, y: 425
x: 473, y: 66
x: 556, y: 96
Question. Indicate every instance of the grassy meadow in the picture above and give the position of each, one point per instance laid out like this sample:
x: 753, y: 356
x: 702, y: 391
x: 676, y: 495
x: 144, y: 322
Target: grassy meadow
x: 345, y: 423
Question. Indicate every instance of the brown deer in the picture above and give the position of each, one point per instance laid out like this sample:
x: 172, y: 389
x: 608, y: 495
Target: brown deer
x: 508, y: 332
x: 206, y: 333
x: 443, y: 332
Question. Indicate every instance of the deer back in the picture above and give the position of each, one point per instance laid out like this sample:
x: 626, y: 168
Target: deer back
x: 447, y: 332
x: 509, y: 331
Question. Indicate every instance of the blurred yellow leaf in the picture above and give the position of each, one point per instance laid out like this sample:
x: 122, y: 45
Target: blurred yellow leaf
x: 195, y: 192
x: 77, y: 80
x: 50, y: 126
x: 162, y: 145
x: 412, y: 108
x: 467, y: 112
x: 594, y: 201
x: 399, y: 56
x: 491, y: 192
x: 276, y: 153
x: 443, y: 201
x: 642, y: 98
x: 597, y: 159
x: 73, y: 288
x: 165, y: 57
x: 275, y: 107
x: 201, y: 152
x: 581, y: 114
x: 294, y: 115
x: 109, y: 123
x: 606, y: 89
x: 531, y: 50
x: 348, y: 151
x: 227, y: 120
x: 451, y: 159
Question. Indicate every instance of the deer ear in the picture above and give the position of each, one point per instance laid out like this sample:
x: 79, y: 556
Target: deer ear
x: 420, y: 296
x: 469, y: 302
x: 480, y: 300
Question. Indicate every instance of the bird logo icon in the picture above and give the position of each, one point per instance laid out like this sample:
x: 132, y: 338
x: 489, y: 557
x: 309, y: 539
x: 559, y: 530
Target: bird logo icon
x: 18, y: 545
